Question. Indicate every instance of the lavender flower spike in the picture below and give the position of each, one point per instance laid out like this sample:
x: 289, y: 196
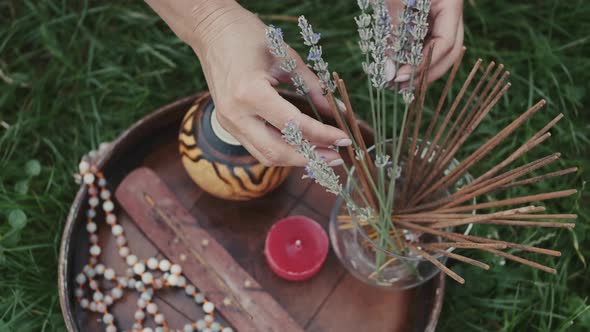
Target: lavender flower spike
x: 278, y: 48
x: 311, y: 39
x: 317, y: 168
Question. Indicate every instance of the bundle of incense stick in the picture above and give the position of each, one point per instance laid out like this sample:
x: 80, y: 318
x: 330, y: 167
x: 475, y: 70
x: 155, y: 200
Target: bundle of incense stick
x: 429, y: 201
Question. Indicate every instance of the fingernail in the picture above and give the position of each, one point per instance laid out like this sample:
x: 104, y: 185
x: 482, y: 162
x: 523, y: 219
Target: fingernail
x: 389, y: 70
x: 343, y: 142
x: 402, y: 78
x: 336, y: 162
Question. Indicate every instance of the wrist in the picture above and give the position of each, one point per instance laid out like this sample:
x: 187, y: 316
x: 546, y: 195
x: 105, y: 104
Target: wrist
x: 208, y: 19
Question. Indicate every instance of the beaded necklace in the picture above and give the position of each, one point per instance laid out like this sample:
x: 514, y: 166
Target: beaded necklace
x: 145, y: 276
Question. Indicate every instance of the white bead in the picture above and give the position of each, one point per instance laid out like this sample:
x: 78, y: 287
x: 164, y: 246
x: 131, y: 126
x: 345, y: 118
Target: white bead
x: 92, y: 306
x: 173, y: 279
x: 147, y: 329
x: 95, y: 250
x: 190, y: 289
x: 107, y: 318
x: 88, y: 178
x: 84, y: 303
x: 181, y: 282
x: 121, y: 240
x: 152, y: 308
x: 108, y: 300
x: 131, y: 259
x: 164, y: 265
x: 139, y: 268
x: 93, y: 238
x: 158, y: 283
x: 102, y: 182
x: 227, y: 329
x: 176, y: 269
x: 201, y: 325
x: 137, y: 327
x: 138, y: 286
x: 111, y: 328
x: 101, y: 307
x: 208, y: 307
x: 89, y: 271
x: 207, y: 330
x: 209, y: 319
x: 160, y: 329
x: 91, y: 227
x: 93, y: 284
x: 105, y: 194
x: 117, y: 293
x: 139, y: 315
x: 215, y: 327
x: 99, y: 268
x: 93, y: 201
x: 109, y: 274
x: 111, y: 219
x: 188, y: 328
x: 83, y: 166
x: 81, y: 278
x: 141, y: 303
x: 199, y: 298
x: 108, y: 206
x: 91, y: 213
x: 131, y: 283
x: 147, y: 278
x: 122, y: 281
x: 123, y: 251
x: 117, y: 230
x: 97, y: 296
x: 146, y: 296
x: 159, y: 319
x: 79, y: 292
x: 152, y: 263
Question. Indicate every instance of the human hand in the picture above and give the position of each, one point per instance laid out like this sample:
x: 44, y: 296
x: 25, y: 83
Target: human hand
x: 445, y: 33
x: 241, y: 75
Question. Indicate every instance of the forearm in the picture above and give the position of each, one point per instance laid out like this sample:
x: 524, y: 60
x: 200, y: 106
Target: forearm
x: 196, y: 22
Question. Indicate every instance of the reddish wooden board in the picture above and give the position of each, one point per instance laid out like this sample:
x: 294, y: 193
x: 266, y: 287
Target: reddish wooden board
x: 180, y: 237
x: 331, y: 301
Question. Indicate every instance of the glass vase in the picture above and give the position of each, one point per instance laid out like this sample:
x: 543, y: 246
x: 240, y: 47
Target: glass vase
x: 367, y: 260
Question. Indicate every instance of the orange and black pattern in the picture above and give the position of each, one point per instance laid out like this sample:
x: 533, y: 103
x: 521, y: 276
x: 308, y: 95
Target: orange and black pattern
x: 223, y: 170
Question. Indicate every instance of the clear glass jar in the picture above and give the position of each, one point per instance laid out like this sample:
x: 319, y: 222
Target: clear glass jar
x: 358, y: 252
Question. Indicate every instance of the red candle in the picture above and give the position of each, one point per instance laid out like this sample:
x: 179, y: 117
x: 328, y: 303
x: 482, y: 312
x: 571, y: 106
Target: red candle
x: 296, y: 248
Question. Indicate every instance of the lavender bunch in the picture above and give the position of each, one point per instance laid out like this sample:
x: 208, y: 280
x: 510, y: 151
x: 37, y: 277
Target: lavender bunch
x: 311, y: 39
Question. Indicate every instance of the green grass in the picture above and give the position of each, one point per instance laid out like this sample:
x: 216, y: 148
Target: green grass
x: 76, y: 73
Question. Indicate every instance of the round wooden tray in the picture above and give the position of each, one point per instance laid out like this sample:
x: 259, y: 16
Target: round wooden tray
x: 331, y: 301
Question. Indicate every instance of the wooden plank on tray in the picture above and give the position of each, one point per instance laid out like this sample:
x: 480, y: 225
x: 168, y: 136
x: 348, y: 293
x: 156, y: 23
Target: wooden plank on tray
x: 177, y: 234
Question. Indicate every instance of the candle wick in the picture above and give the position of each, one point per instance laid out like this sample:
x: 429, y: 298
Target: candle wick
x: 298, y: 243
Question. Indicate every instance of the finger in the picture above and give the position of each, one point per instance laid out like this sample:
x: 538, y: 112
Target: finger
x: 266, y: 144
x: 441, y: 67
x: 278, y: 112
x: 444, y: 34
